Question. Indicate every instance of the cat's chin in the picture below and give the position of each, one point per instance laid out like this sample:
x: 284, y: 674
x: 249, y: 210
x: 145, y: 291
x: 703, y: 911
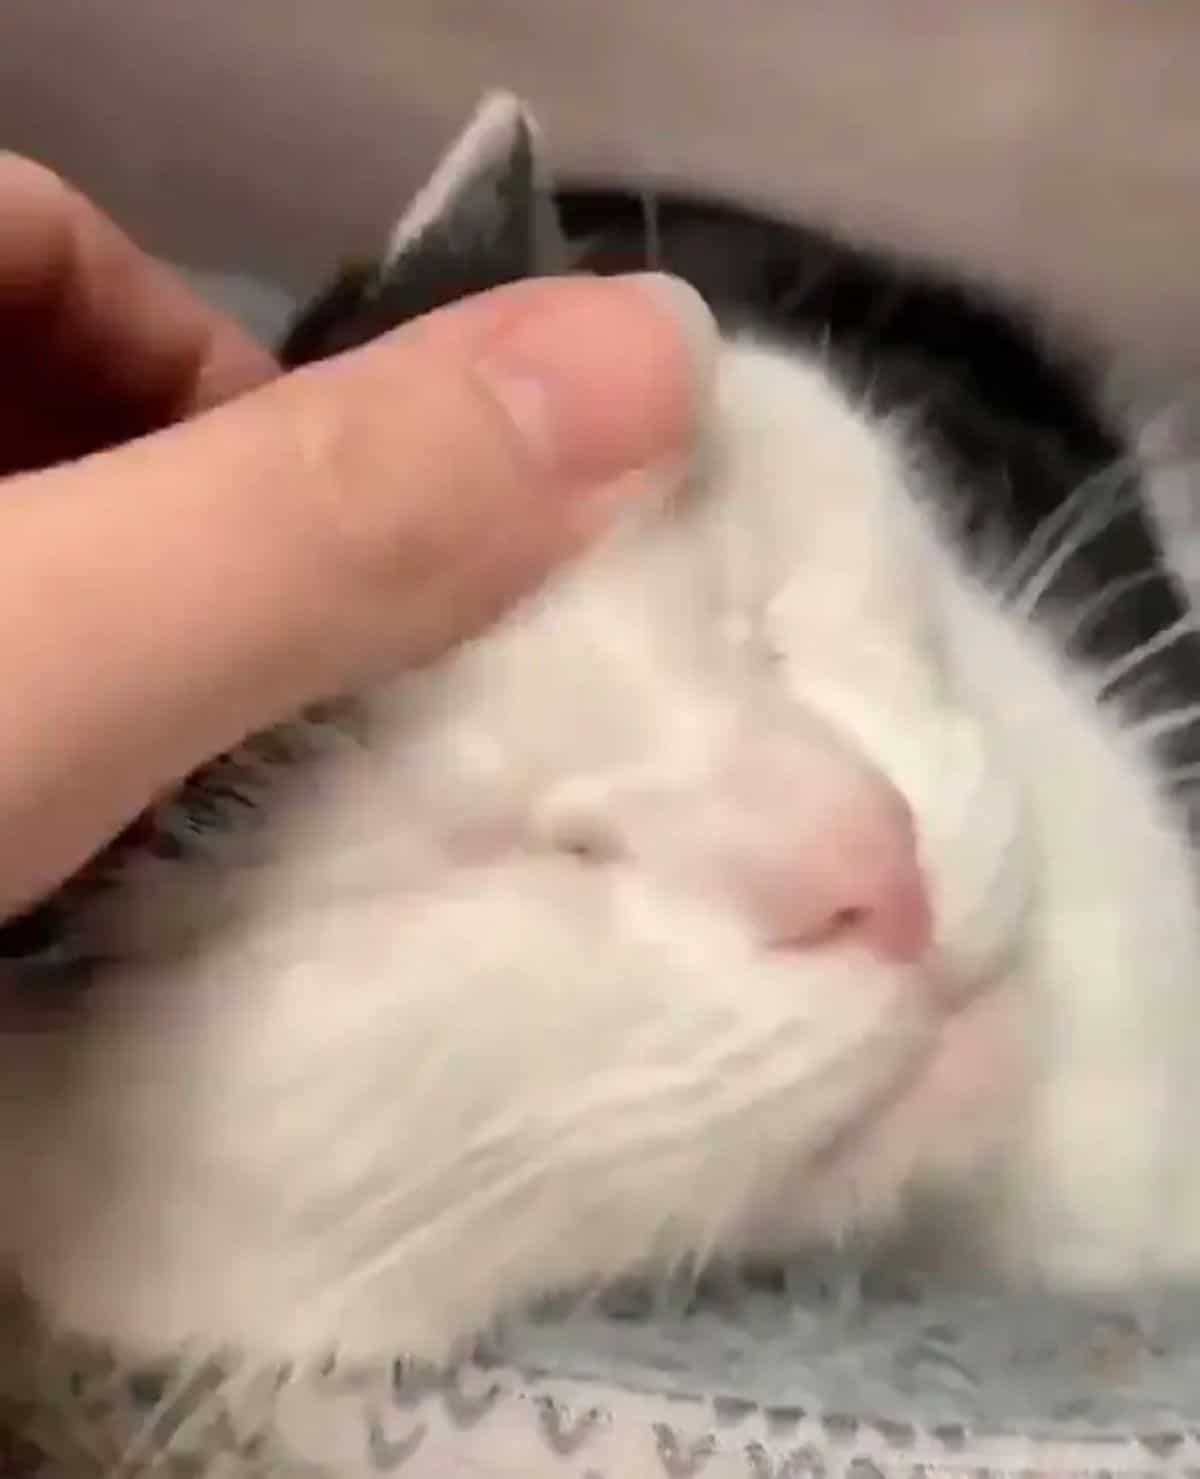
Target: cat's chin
x: 974, y: 1066
x: 943, y: 1126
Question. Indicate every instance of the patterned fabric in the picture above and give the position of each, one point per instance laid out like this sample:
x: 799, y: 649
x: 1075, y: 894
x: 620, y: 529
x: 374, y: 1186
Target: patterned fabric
x: 914, y: 1397
x: 215, y: 1420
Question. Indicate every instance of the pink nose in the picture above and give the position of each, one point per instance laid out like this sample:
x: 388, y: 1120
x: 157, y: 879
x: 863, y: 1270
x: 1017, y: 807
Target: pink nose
x: 819, y: 848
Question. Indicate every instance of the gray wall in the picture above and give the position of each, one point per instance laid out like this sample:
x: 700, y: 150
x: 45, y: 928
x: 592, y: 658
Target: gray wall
x: 1056, y: 141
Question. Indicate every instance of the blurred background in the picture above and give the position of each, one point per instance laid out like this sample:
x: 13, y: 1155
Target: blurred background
x: 1055, y: 143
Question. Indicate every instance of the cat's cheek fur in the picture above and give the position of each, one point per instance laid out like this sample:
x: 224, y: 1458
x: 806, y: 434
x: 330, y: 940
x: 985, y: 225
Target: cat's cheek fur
x: 1099, y: 1192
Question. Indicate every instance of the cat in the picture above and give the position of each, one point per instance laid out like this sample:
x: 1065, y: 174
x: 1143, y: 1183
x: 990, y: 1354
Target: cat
x: 810, y: 863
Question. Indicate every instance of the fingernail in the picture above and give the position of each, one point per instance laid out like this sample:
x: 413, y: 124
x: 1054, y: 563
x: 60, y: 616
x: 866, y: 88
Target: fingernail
x: 608, y: 377
x: 692, y: 316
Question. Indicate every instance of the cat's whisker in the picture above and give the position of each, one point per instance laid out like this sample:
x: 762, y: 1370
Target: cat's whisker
x: 1104, y: 599
x: 1162, y: 726
x: 1091, y: 508
x: 804, y: 286
x: 866, y: 396
x: 1061, y: 536
x: 148, y: 1444
x: 367, y: 1243
x: 1043, y: 540
x: 651, y: 230
x: 1160, y: 642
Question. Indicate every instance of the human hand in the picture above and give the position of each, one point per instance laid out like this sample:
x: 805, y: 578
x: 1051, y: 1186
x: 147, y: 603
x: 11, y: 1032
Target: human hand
x: 193, y: 547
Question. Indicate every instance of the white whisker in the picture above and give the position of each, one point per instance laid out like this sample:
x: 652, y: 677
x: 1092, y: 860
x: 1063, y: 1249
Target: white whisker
x: 803, y: 287
x: 1161, y: 726
x: 1055, y: 541
x: 1160, y: 642
x: 1104, y: 599
x: 1043, y: 540
x: 150, y: 1442
x: 651, y: 230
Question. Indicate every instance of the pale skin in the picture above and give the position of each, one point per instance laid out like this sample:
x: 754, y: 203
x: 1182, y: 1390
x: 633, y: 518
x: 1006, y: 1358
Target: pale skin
x: 194, y: 546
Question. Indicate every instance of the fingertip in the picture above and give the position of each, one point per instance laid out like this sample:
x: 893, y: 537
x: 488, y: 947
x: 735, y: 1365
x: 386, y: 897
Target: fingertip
x: 601, y: 377
x: 693, y: 319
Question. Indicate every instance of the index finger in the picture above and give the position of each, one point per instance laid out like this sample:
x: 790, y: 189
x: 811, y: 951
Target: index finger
x: 102, y: 315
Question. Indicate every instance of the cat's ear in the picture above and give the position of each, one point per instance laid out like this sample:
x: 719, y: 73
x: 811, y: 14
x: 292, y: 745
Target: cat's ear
x: 485, y: 217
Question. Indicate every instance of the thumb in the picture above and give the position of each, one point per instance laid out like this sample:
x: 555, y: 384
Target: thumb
x: 160, y: 601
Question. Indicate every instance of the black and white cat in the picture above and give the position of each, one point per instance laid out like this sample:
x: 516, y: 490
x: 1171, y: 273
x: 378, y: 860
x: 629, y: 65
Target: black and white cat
x: 806, y: 863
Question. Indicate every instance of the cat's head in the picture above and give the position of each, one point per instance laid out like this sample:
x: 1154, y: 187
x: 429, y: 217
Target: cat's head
x: 765, y: 870
x: 776, y: 753
x: 745, y: 748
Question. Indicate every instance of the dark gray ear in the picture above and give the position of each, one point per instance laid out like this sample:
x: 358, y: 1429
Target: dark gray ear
x: 486, y: 217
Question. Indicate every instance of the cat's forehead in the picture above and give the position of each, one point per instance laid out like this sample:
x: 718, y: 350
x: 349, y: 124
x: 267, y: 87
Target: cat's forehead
x: 789, y: 483
x: 784, y: 419
x: 785, y: 539
x: 808, y: 506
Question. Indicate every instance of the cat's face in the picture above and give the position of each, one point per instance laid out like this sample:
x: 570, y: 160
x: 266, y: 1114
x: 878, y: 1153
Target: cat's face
x: 728, y: 761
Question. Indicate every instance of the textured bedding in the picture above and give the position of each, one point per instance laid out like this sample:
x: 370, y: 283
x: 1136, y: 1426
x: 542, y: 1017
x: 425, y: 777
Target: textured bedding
x: 814, y: 1381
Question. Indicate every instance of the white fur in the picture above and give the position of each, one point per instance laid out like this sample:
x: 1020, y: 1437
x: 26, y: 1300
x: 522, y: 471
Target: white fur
x: 352, y: 1089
